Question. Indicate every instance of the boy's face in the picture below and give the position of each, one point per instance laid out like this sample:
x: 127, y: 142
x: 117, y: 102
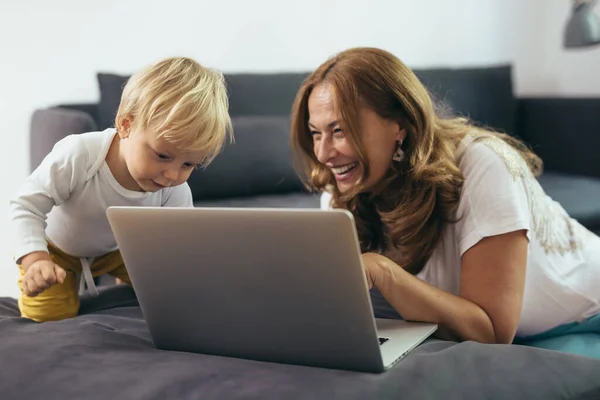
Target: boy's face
x: 154, y: 163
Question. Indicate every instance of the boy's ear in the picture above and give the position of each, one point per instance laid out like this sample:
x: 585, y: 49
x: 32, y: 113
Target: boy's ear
x: 124, y: 128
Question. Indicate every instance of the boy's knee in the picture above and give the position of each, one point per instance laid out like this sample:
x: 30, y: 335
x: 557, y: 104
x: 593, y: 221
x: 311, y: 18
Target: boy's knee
x: 58, y: 302
x: 48, y: 309
x: 120, y: 274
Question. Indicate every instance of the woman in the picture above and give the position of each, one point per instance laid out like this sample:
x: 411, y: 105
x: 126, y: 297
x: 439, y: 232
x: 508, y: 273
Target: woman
x: 453, y: 225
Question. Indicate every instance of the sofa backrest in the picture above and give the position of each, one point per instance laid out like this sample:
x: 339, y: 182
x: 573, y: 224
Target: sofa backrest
x: 259, y: 161
x: 249, y: 94
x: 485, y: 94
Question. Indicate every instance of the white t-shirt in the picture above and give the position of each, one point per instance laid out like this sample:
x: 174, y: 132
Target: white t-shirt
x: 65, y: 199
x: 501, y: 195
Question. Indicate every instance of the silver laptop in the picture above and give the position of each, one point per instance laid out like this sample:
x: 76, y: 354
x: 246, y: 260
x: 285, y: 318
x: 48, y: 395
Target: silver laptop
x: 278, y: 285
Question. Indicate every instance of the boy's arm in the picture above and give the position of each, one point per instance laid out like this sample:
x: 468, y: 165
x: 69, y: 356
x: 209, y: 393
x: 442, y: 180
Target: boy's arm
x: 28, y: 211
x: 179, y: 196
x: 50, y: 184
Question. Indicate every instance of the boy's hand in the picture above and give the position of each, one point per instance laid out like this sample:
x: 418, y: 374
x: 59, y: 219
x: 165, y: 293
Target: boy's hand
x: 40, y: 275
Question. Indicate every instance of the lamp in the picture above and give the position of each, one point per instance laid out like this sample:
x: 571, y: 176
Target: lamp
x: 583, y: 28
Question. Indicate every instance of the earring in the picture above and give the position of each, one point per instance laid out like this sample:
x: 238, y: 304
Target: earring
x: 399, y: 153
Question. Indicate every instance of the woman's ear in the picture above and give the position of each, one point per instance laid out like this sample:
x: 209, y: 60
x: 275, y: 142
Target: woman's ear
x: 400, y: 134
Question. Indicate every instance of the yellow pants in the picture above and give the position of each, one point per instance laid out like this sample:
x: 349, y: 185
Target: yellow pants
x: 61, y: 301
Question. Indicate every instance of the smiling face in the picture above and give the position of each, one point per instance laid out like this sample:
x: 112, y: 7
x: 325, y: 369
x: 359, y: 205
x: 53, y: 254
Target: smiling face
x: 334, y: 149
x: 150, y: 163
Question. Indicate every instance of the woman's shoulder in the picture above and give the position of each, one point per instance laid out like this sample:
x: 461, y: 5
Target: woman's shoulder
x: 479, y: 152
x: 499, y: 185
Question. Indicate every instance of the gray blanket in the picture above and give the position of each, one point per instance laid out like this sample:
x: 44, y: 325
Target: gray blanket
x: 106, y: 353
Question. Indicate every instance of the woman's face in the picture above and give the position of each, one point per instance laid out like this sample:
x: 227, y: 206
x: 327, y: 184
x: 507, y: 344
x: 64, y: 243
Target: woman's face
x: 333, y: 149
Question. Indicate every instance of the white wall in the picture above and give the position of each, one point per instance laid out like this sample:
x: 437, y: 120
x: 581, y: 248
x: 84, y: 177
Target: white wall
x: 50, y: 51
x: 543, y: 66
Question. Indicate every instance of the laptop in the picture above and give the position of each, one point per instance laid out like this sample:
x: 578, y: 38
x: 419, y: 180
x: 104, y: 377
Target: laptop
x: 275, y: 285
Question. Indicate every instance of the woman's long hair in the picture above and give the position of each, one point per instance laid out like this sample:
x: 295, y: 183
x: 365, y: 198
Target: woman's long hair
x: 420, y: 194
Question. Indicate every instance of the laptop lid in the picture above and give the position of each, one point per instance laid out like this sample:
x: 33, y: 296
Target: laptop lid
x: 281, y: 285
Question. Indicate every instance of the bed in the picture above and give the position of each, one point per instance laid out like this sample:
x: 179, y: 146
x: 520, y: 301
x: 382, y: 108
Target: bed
x: 106, y: 353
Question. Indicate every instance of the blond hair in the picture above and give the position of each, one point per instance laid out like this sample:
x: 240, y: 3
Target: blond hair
x: 422, y: 192
x: 182, y: 102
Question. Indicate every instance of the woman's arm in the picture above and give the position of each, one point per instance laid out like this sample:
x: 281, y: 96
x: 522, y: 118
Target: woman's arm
x: 491, y: 291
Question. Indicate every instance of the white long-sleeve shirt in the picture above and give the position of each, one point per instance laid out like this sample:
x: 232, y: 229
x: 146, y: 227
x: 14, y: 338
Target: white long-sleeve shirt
x: 65, y: 199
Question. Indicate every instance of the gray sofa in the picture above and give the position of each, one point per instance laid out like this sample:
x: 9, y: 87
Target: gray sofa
x: 107, y: 351
x: 256, y: 169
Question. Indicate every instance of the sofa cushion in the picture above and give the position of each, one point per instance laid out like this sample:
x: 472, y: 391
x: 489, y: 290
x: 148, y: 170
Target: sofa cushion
x: 263, y: 94
x: 258, y: 162
x: 579, y: 196
x: 111, y: 88
x: 563, y: 132
x: 484, y: 94
x: 275, y: 93
x: 287, y: 200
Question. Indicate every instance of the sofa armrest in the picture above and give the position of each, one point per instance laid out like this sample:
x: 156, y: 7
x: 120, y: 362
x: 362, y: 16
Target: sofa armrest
x: 50, y: 125
x: 88, y: 108
x: 564, y: 132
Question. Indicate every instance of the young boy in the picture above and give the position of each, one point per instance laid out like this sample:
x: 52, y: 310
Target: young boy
x: 173, y: 117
